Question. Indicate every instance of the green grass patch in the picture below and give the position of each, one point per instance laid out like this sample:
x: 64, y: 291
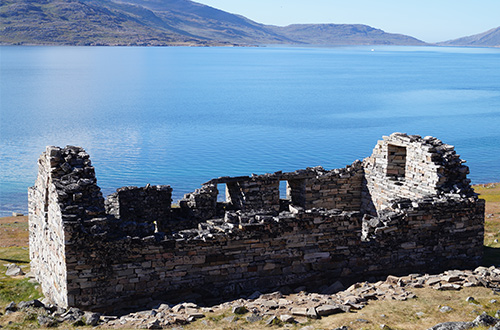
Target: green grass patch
x: 18, y: 289
x: 14, y: 255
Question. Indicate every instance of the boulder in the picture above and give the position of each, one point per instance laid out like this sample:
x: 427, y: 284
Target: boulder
x: 453, y: 326
x: 14, y: 270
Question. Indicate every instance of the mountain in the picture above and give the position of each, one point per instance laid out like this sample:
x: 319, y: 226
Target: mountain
x: 490, y: 38
x: 343, y: 34
x: 164, y: 22
x: 73, y: 22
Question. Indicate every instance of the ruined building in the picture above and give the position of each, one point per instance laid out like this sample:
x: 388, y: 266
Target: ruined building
x: 407, y: 208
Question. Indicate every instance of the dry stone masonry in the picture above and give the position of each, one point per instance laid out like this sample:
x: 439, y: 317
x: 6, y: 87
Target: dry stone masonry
x: 408, y: 207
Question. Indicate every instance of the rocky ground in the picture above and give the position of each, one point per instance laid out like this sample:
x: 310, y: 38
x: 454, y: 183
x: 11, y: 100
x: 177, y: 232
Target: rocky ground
x: 297, y: 310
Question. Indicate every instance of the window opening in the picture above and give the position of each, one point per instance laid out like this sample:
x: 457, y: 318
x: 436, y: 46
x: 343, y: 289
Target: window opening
x: 284, y: 190
x: 396, y: 162
x: 222, y: 195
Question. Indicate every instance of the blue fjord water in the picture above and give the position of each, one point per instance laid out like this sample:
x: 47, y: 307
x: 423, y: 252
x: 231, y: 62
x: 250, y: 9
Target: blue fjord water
x: 181, y: 116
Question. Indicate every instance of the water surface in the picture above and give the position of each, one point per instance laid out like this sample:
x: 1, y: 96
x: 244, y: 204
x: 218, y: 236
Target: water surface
x: 182, y: 116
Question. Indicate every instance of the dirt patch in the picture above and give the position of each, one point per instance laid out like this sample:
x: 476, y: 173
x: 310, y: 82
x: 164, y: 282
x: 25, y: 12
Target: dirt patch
x: 14, y: 231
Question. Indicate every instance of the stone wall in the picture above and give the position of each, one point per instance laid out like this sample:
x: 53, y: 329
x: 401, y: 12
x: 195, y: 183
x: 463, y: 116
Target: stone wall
x: 409, y: 166
x: 407, y: 208
x: 65, y: 200
x: 148, y: 205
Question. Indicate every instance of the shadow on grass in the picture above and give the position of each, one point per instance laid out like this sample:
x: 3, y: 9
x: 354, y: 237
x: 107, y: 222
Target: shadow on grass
x: 15, y: 261
x: 491, y: 256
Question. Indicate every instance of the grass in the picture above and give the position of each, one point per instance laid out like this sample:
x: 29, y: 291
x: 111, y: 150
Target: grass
x: 14, y: 249
x: 490, y: 192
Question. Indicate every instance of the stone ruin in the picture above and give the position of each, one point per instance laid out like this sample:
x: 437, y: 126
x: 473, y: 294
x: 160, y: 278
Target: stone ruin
x: 407, y: 208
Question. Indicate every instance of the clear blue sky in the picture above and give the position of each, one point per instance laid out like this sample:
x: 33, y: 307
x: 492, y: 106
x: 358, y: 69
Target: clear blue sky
x: 428, y: 20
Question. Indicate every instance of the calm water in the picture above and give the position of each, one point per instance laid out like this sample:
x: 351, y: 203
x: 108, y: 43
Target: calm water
x: 182, y: 116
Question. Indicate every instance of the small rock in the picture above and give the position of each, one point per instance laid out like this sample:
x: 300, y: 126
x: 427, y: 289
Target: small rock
x: 253, y: 318
x: 325, y: 310
x: 452, y: 326
x: 485, y: 320
x: 385, y: 327
x: 308, y: 327
x: 196, y: 315
x: 240, y: 310
x: 450, y: 286
x: 299, y: 311
x: 273, y: 320
x: 163, y: 307
x: 470, y: 299
x: 177, y: 308
x: 14, y: 270
x: 451, y: 278
x: 190, y: 305
x: 273, y: 295
x: 29, y: 275
x: 91, y: 318
x: 31, y: 303
x: 72, y: 315
x: 11, y: 307
x: 311, y: 313
x: 420, y: 314
x: 46, y: 321
x: 445, y: 309
x: 287, y: 318
x: 154, y: 325
x: 229, y: 319
x: 493, y: 301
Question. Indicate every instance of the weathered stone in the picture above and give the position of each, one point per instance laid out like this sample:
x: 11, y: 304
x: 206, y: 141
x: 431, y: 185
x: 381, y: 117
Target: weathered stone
x: 285, y: 318
x: 14, y: 270
x: 240, y: 310
x: 299, y: 311
x: 253, y: 318
x: 325, y: 310
x: 91, y: 318
x: 273, y: 320
x: 449, y: 286
x: 453, y: 326
x: 30, y: 304
x: 46, y: 321
x: 11, y: 307
x: 485, y: 320
x: 445, y: 309
x: 311, y: 313
x: 411, y: 197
